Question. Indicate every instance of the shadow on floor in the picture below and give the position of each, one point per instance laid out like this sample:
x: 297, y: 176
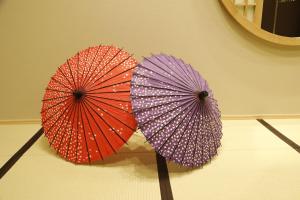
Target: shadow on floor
x: 141, y: 159
x: 179, y: 170
x: 135, y: 155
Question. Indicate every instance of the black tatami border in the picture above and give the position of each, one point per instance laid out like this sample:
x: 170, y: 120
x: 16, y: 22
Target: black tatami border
x: 164, y: 180
x: 280, y: 135
x: 4, y: 169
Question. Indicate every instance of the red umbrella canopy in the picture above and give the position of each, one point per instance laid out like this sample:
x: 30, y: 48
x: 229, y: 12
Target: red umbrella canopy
x: 86, y: 112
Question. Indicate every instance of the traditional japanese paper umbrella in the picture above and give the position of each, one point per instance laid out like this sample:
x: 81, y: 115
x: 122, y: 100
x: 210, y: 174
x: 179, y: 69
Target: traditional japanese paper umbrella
x: 86, y: 112
x: 175, y: 110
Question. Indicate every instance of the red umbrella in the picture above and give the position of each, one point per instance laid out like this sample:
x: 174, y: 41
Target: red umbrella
x: 86, y: 112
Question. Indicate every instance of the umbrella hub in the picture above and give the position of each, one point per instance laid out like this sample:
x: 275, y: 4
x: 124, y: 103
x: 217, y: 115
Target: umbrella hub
x: 78, y: 94
x: 202, y: 95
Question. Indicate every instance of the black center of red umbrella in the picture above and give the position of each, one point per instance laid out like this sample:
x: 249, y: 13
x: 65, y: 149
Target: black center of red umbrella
x: 78, y: 94
x: 202, y: 95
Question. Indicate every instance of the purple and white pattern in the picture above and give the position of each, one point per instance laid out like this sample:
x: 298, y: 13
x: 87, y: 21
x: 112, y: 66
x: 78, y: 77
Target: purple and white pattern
x: 175, y: 110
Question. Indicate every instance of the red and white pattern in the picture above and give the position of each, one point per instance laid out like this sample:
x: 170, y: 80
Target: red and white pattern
x: 86, y: 112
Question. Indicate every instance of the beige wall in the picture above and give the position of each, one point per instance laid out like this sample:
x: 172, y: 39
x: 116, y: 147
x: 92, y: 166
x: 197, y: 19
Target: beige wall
x: 248, y: 75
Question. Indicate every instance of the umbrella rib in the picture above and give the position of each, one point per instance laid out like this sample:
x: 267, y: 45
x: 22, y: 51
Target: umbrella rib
x: 83, y: 82
x: 60, y: 70
x: 106, y: 123
x: 109, y: 98
x: 143, y: 109
x: 111, y: 78
x: 77, y: 131
x: 54, y: 79
x: 122, y: 91
x: 85, y: 63
x: 160, y: 81
x: 100, y: 129
x: 54, y: 90
x: 107, y: 104
x: 155, y: 87
x: 186, y: 103
x: 45, y: 109
x: 77, y: 69
x: 202, y: 151
x: 213, y: 136
x: 195, y: 76
x: 97, y: 66
x: 174, y: 131
x: 217, y: 119
x: 93, y: 84
x: 177, y: 82
x: 88, y: 92
x: 70, y: 137
x: 52, y: 115
x: 86, y: 144
x: 187, y: 82
x: 61, y: 124
x: 72, y: 114
x: 99, y: 152
x: 71, y: 73
x: 197, y: 134
x: 47, y: 131
x: 112, y: 116
x: 202, y: 137
x: 212, y: 115
x: 209, y: 147
x: 171, y: 120
x: 178, y: 76
x: 196, y: 141
x: 183, y: 69
x: 96, y: 54
x: 95, y: 75
x: 166, y: 95
x: 198, y: 78
x: 182, y: 87
x: 50, y: 99
x: 189, y: 138
x: 181, y: 136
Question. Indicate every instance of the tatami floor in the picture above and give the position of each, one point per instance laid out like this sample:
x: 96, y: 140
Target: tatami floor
x: 253, y: 163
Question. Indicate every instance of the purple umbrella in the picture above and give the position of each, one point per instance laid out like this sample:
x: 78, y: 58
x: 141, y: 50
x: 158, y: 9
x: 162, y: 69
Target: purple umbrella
x: 175, y: 110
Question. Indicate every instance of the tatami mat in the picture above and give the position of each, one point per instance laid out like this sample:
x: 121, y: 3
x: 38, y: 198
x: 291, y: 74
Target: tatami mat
x: 13, y: 137
x: 41, y: 174
x: 290, y: 128
x: 252, y: 164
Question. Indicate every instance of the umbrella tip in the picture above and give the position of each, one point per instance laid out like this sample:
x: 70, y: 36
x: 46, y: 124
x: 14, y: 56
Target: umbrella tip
x: 202, y: 95
x: 78, y: 94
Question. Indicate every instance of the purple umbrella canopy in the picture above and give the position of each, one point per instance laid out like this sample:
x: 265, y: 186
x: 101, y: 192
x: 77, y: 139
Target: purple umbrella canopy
x: 175, y: 110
